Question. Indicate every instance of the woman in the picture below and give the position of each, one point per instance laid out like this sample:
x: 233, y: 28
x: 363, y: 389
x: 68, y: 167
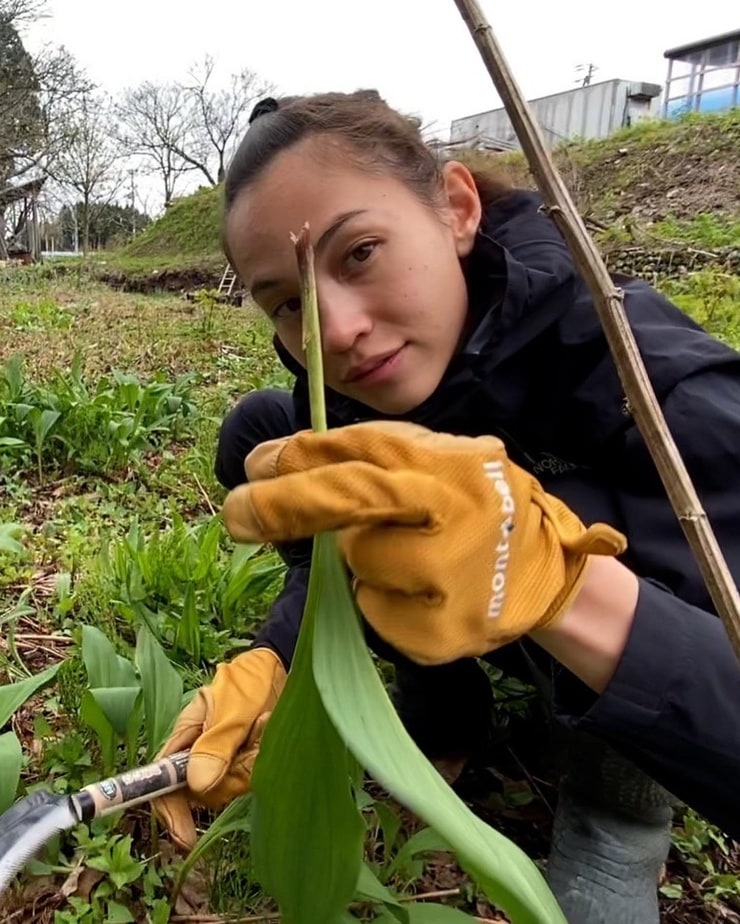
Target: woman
x: 450, y: 306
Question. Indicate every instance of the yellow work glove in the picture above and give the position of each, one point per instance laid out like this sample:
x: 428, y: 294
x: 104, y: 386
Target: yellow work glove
x: 455, y: 550
x: 223, y: 727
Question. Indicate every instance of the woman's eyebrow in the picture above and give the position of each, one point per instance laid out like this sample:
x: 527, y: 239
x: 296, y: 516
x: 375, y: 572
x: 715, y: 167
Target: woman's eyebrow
x: 260, y: 286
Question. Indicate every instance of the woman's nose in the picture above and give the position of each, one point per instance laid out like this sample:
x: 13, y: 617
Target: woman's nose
x: 344, y: 318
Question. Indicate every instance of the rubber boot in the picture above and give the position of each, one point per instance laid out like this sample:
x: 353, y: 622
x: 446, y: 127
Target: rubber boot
x: 610, y: 839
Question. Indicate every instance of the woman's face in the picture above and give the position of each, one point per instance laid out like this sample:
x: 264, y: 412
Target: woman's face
x: 392, y: 295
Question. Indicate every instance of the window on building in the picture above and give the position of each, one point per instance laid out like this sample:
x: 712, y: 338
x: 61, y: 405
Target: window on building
x: 704, y: 79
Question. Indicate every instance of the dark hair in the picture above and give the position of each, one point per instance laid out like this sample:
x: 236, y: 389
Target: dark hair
x: 382, y: 139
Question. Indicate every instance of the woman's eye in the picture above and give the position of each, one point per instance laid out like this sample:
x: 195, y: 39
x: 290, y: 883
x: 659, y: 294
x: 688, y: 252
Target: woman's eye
x: 362, y: 252
x: 286, y: 309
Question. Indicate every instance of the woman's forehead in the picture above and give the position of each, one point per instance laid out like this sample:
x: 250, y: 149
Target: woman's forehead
x: 295, y: 190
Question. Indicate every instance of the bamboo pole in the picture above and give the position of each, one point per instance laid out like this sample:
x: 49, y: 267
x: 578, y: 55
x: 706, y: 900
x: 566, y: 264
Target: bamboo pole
x: 609, y: 304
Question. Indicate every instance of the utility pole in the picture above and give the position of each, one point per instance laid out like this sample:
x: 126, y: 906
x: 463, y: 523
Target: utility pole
x: 590, y: 70
x: 133, y: 202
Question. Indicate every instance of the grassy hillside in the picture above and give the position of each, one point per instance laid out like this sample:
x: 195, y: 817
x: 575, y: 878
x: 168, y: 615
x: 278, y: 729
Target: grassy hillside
x: 191, y: 227
x: 678, y: 179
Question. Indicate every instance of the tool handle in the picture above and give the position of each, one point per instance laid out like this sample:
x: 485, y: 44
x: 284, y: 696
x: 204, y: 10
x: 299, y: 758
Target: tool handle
x: 132, y: 787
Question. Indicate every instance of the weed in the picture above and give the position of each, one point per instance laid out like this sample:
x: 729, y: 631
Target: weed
x: 69, y: 425
x: 182, y: 584
x: 711, y: 298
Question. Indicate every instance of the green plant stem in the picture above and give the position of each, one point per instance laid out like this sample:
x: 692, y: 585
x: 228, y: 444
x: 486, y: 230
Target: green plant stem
x: 311, y: 328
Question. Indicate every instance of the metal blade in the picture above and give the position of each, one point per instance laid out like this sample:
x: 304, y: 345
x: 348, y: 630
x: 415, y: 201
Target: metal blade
x: 28, y: 826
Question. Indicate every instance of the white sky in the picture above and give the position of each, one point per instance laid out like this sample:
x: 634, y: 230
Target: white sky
x: 417, y: 53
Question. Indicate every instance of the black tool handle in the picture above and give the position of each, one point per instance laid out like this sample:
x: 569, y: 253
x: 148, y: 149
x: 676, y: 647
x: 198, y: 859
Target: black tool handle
x: 132, y: 787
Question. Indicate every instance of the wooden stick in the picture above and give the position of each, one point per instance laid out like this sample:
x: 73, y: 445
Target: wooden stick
x: 609, y: 304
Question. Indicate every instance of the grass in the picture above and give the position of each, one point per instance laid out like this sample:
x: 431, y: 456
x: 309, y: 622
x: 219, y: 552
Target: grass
x: 133, y: 541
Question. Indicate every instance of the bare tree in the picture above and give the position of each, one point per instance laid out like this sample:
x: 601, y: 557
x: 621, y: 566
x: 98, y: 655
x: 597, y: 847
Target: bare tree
x: 88, y: 164
x: 155, y: 124
x: 218, y: 115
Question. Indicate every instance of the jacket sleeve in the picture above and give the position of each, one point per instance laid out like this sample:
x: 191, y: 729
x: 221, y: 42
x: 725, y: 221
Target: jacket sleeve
x: 672, y: 705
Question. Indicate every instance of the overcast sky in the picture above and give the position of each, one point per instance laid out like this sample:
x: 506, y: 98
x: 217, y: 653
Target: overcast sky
x: 417, y: 53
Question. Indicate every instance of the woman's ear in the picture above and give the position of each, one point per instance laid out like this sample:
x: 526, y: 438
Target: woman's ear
x: 462, y: 204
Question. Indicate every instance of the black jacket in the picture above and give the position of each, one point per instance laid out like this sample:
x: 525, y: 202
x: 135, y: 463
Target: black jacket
x: 536, y: 371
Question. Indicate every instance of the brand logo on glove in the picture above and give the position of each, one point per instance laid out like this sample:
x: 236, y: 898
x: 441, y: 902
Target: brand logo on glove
x: 495, y: 472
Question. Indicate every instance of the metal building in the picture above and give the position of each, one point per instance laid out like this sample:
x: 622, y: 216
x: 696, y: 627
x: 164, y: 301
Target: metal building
x: 593, y: 111
x: 703, y: 76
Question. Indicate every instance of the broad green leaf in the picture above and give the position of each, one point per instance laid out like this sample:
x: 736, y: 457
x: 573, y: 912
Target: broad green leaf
x: 13, y: 695
x: 93, y: 716
x: 104, y: 667
x: 302, y: 782
x: 117, y: 704
x: 43, y: 423
x: 362, y: 713
x: 11, y: 760
x: 162, y: 686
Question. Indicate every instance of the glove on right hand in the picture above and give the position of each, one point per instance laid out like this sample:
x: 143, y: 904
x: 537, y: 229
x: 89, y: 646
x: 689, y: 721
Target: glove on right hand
x: 455, y: 550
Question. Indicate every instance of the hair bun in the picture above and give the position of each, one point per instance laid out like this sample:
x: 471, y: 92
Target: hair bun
x: 268, y: 104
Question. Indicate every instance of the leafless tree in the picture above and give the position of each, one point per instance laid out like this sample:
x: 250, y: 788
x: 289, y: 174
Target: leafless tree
x: 155, y: 124
x: 88, y: 164
x: 218, y: 115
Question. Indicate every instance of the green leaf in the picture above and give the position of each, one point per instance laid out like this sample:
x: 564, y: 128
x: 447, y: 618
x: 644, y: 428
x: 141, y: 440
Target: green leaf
x: 160, y: 911
x: 302, y: 782
x: 11, y: 760
x: 365, y: 718
x: 423, y: 841
x: 92, y: 715
x: 13, y: 695
x: 390, y: 826
x: 117, y: 704
x: 118, y: 914
x: 369, y: 887
x: 9, y: 535
x: 43, y: 423
x: 188, y: 627
x: 162, y: 686
x: 104, y: 667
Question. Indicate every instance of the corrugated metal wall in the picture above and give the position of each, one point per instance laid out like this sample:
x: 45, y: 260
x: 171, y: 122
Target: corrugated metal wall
x: 589, y: 112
